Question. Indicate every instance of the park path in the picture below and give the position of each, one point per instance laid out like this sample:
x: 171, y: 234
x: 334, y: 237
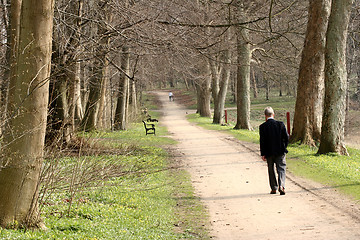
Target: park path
x: 231, y: 180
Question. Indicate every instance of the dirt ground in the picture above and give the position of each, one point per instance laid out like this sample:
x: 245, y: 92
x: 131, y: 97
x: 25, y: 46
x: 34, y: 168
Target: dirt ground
x: 231, y: 180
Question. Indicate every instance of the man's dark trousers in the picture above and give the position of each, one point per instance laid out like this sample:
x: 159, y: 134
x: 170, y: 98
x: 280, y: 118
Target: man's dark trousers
x: 280, y: 163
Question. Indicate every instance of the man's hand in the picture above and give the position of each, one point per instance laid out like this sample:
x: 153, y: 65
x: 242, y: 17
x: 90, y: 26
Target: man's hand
x: 263, y: 158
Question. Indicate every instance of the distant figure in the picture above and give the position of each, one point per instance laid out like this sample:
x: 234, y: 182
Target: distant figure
x: 171, y: 96
x: 273, y: 143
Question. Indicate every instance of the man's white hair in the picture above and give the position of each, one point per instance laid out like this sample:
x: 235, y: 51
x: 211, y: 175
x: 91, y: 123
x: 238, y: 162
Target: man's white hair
x: 269, y: 111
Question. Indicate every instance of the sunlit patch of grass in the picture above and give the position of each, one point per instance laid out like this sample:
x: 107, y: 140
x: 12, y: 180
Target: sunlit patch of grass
x: 134, y: 136
x: 342, y: 172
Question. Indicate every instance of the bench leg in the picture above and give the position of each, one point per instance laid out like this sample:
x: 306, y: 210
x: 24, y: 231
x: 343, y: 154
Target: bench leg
x: 148, y: 131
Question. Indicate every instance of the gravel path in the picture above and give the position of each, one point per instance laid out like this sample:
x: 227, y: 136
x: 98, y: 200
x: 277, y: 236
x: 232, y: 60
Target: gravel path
x: 231, y: 179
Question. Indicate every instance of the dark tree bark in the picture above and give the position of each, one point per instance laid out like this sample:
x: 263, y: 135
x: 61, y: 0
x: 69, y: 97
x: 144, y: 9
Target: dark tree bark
x: 310, y: 91
x: 243, y: 79
x: 98, y: 71
x: 203, y: 91
x: 88, y: 123
x: 122, y: 100
x: 64, y: 83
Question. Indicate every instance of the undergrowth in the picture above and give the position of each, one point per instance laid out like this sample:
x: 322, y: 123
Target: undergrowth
x: 139, y: 194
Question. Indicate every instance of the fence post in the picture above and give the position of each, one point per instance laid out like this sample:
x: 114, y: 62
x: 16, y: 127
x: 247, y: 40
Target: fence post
x: 226, y: 120
x: 288, y: 122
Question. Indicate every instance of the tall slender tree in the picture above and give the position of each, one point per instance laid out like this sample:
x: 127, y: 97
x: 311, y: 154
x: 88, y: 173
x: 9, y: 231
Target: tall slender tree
x: 332, y: 130
x: 65, y: 79
x: 98, y: 67
x: 243, y: 75
x: 31, y: 41
x: 220, y: 85
x: 122, y: 100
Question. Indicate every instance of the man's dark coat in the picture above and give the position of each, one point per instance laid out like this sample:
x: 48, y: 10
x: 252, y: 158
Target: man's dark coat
x: 273, y: 138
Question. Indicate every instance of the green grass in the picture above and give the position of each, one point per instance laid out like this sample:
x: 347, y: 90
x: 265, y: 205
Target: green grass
x: 153, y: 200
x: 135, y: 137
x: 244, y: 135
x: 281, y: 105
x: 150, y: 101
x: 341, y: 172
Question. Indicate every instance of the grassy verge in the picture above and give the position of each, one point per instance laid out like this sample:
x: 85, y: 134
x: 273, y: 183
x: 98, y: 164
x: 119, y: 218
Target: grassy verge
x: 340, y: 172
x: 333, y: 170
x: 146, y: 197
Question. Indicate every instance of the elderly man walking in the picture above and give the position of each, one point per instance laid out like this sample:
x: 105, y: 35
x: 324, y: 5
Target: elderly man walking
x: 273, y: 143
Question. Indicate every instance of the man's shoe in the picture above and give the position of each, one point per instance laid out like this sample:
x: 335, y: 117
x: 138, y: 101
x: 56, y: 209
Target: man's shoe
x: 282, y: 190
x: 273, y: 192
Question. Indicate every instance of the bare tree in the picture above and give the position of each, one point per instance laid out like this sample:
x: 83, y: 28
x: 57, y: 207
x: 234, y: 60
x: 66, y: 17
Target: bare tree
x: 28, y: 98
x: 220, y: 77
x: 122, y: 101
x: 65, y: 78
x: 243, y: 75
x: 98, y: 67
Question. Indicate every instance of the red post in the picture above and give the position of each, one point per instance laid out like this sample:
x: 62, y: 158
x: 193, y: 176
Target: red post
x: 288, y: 122
x: 225, y: 116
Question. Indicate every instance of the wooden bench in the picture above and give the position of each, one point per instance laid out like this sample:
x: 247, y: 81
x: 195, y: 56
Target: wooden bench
x: 149, y: 128
x: 151, y: 119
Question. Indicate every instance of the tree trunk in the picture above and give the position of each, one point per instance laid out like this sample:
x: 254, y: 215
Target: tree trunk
x: 254, y: 85
x: 88, y: 123
x: 280, y: 88
x: 219, y: 104
x: 204, y: 95
x: 358, y: 81
x: 74, y: 94
x: 186, y: 84
x: 103, y: 94
x: 28, y: 99
x: 267, y: 88
x: 95, y: 104
x: 63, y: 97
x: 122, y: 101
x: 79, y: 112
x: 198, y: 97
x: 233, y: 86
x: 243, y: 79
x: 310, y: 91
x: 216, y: 70
x: 223, y: 91
x: 105, y: 42
x: 59, y: 119
x: 133, y: 99
x: 332, y: 131
x: 4, y: 83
